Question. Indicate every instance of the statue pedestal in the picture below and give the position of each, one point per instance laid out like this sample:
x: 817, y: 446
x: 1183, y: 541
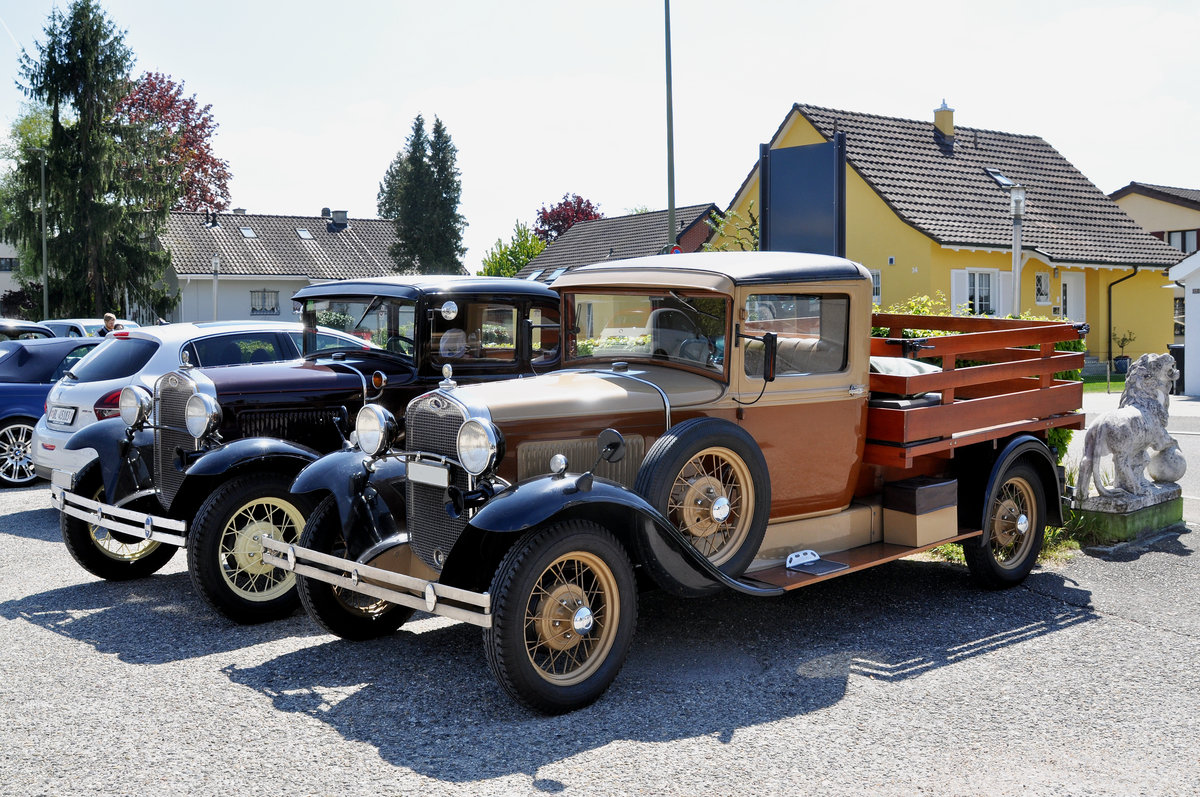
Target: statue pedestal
x: 1124, y: 516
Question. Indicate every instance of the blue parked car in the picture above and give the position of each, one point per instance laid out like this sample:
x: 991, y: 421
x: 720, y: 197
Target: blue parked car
x: 28, y: 369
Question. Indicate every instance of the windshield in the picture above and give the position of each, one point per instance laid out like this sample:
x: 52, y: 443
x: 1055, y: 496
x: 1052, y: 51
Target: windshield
x: 663, y: 325
x: 385, y: 322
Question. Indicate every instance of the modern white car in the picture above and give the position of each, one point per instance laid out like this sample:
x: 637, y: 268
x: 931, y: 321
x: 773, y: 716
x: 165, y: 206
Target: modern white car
x: 92, y: 388
x: 82, y: 327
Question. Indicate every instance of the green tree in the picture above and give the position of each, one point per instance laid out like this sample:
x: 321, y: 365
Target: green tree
x: 731, y: 232
x: 29, y: 132
x: 506, y: 259
x: 109, y: 183
x: 421, y: 191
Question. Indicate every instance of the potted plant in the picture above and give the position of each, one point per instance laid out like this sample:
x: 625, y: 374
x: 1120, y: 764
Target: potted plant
x: 1121, y: 361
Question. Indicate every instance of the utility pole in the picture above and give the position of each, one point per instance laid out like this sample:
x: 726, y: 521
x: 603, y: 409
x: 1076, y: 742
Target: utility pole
x: 670, y: 139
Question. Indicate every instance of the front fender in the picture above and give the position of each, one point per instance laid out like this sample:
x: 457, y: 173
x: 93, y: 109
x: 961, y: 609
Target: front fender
x: 224, y: 458
x: 108, y: 438
x: 652, y: 540
x: 344, y: 474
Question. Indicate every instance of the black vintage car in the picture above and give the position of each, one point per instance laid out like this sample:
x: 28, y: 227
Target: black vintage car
x: 207, y: 462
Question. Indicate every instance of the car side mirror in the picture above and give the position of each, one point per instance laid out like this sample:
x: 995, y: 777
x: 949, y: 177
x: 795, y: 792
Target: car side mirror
x: 611, y: 446
x: 770, y: 349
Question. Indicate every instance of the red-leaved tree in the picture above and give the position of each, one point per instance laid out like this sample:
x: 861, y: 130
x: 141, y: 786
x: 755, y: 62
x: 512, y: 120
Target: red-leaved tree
x: 555, y: 220
x: 158, y: 101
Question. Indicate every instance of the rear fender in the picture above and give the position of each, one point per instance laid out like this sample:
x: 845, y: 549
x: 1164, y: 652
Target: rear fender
x: 651, y: 540
x: 1041, y: 459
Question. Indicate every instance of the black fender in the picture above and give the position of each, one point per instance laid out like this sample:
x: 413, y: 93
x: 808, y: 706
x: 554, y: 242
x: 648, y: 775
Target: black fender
x: 369, y: 496
x: 125, y: 462
x: 222, y: 459
x: 653, y: 542
x: 1040, y: 456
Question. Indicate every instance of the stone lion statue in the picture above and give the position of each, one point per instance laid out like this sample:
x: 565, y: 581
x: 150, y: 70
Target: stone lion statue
x: 1137, y: 425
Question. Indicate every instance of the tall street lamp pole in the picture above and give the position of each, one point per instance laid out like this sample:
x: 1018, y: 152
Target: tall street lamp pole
x: 45, y: 268
x: 1016, y: 196
x: 670, y: 139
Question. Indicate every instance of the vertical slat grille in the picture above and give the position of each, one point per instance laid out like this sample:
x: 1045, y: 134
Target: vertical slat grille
x: 431, y: 425
x: 171, y: 394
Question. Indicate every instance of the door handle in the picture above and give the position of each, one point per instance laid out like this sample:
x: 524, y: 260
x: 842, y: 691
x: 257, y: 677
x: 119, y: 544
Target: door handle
x: 857, y: 390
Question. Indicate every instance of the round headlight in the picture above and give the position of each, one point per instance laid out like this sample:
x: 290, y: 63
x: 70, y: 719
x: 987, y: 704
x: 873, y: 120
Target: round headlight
x: 479, y: 446
x: 203, y: 414
x: 376, y: 429
x: 135, y: 405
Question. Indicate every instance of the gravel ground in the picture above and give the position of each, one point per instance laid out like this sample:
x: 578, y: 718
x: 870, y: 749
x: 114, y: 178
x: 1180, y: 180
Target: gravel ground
x: 901, y: 680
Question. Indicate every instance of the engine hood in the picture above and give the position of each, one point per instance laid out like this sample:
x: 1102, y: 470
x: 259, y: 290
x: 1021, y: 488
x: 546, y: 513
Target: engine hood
x: 586, y: 393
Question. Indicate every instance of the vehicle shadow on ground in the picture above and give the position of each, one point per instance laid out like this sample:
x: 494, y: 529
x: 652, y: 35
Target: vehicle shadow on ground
x: 33, y: 524
x: 152, y: 620
x: 697, y: 668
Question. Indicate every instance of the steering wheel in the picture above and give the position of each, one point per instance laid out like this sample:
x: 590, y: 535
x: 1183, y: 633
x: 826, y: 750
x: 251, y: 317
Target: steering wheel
x: 398, y: 344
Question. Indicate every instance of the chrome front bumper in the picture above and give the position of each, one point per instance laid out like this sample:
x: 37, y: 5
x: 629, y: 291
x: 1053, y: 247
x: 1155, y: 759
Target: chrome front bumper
x: 114, y: 518
x: 416, y: 593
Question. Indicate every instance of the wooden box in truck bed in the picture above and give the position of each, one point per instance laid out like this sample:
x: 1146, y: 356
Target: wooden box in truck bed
x: 997, y: 378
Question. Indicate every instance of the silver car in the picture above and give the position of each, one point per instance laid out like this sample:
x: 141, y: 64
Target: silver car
x: 92, y: 388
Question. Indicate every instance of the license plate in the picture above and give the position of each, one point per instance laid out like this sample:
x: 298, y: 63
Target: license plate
x: 435, y: 475
x: 63, y: 415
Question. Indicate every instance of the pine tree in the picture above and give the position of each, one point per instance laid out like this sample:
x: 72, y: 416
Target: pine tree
x: 109, y: 184
x: 420, y: 192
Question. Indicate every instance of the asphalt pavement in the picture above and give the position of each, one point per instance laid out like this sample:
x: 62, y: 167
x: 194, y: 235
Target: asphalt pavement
x: 901, y: 680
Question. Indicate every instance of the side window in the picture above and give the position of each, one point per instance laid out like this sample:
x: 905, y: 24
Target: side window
x: 259, y: 347
x: 479, y: 331
x: 545, y: 341
x: 812, y: 329
x: 75, y: 355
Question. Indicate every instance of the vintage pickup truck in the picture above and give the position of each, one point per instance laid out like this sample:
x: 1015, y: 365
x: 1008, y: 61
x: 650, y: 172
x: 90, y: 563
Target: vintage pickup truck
x: 206, y: 462
x: 754, y: 451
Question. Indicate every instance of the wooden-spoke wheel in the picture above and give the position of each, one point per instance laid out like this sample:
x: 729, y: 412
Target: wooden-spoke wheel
x: 564, y: 609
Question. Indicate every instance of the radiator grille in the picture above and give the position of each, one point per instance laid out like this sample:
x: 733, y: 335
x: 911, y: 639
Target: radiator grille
x: 287, y: 424
x: 431, y: 426
x: 170, y: 398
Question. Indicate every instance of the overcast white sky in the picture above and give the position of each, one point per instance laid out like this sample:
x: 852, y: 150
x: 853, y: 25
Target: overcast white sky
x: 314, y: 99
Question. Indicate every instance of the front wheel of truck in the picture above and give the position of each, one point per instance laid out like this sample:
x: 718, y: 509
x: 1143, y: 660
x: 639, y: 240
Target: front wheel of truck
x: 1013, y: 530
x: 350, y: 615
x: 225, y: 547
x: 110, y: 555
x: 564, y: 606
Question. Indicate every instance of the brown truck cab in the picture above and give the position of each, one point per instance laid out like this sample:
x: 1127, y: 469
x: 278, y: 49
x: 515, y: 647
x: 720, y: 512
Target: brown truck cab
x: 724, y: 420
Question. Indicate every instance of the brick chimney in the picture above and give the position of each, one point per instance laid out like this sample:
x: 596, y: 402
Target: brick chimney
x: 943, y: 127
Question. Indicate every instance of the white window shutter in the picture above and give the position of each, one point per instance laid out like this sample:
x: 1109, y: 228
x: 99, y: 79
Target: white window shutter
x: 1005, y: 295
x: 958, y: 289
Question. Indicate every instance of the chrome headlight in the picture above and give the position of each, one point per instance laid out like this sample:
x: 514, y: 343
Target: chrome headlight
x: 480, y: 446
x: 376, y: 429
x: 135, y: 405
x: 203, y: 415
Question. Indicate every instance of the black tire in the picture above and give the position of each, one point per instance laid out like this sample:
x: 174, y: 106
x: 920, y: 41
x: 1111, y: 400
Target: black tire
x: 112, y: 557
x: 564, y: 607
x: 350, y: 615
x: 225, y: 556
x: 694, y: 465
x: 1013, y: 530
x: 16, y: 453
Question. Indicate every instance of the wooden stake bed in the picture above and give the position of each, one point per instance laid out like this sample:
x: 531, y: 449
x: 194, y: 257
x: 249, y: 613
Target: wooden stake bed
x: 856, y: 559
x: 997, y: 379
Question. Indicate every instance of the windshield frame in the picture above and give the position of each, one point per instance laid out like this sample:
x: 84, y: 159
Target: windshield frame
x: 393, y: 307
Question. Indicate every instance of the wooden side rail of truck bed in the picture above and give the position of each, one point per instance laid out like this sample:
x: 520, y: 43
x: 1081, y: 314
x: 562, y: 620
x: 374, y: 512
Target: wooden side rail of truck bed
x: 996, y: 379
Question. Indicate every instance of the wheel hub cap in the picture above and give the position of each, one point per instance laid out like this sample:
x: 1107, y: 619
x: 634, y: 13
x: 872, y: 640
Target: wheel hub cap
x: 583, y: 620
x: 705, y: 506
x: 248, y: 547
x: 564, y: 617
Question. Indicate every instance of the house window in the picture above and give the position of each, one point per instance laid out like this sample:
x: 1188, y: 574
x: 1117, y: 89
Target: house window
x: 264, y: 302
x: 876, y: 287
x: 247, y: 232
x: 980, y: 292
x: 1179, y: 312
x: 535, y: 274
x: 1183, y: 240
x: 558, y: 272
x: 1041, y: 287
x: 8, y: 263
x: 304, y: 233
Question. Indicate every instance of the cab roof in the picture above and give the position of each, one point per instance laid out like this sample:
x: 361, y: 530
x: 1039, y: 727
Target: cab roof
x: 717, y: 270
x: 412, y: 286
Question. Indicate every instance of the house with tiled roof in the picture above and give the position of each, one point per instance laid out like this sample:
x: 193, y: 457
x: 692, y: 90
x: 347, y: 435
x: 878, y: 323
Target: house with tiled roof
x: 257, y: 261
x: 928, y: 210
x: 1171, y: 214
x: 619, y: 238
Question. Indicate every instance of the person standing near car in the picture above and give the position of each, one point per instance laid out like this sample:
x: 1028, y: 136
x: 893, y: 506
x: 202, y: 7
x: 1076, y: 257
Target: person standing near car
x: 110, y: 321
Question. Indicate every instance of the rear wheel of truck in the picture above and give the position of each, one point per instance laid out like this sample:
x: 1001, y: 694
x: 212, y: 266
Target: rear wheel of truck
x: 111, y: 556
x: 1013, y: 530
x: 225, y: 547
x: 709, y: 478
x: 350, y: 615
x: 564, y: 607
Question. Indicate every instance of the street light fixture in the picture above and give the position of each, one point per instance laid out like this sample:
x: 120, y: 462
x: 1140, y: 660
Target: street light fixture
x: 1016, y: 201
x: 45, y: 268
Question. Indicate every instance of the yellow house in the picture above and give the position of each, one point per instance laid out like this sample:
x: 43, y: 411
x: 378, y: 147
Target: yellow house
x: 1171, y: 214
x: 928, y: 209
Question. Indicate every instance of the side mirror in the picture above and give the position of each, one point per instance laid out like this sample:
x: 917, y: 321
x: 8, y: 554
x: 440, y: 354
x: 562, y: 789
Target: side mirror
x: 611, y: 446
x: 770, y: 348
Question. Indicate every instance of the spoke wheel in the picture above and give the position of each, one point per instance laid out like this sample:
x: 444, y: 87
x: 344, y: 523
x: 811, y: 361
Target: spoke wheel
x: 16, y: 453
x: 712, y: 501
x: 564, y: 610
x: 350, y: 615
x: 113, y: 557
x: 1013, y: 531
x: 225, y: 547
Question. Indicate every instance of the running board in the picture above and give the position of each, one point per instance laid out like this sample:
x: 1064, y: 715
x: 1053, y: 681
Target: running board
x: 855, y: 559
